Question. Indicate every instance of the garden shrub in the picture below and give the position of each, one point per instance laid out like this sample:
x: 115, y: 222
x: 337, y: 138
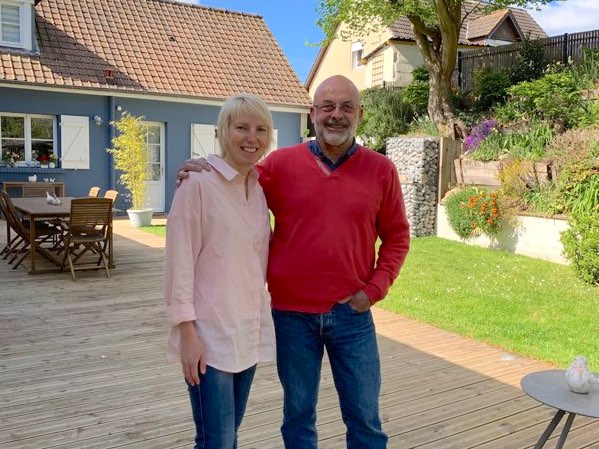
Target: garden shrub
x: 581, y: 245
x: 554, y: 98
x: 473, y: 211
x: 490, y: 88
x: 385, y: 115
x: 416, y: 93
x: 575, y: 162
x: 422, y: 125
x: 530, y: 62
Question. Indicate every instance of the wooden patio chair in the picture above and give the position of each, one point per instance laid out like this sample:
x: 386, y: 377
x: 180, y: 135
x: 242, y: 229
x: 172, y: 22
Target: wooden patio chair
x: 88, y: 231
x: 93, y: 192
x: 19, y: 245
x: 112, y: 194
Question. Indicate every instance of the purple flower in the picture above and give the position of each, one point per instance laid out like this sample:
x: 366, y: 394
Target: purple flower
x: 478, y: 134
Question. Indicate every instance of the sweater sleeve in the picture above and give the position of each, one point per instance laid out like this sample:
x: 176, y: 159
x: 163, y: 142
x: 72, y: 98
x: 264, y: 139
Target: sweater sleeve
x: 394, y: 232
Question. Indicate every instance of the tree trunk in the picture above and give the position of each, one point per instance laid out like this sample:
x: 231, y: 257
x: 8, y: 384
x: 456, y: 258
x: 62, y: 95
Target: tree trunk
x: 440, y: 109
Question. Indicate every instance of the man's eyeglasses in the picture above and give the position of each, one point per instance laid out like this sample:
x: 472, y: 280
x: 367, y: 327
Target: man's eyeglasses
x: 348, y: 108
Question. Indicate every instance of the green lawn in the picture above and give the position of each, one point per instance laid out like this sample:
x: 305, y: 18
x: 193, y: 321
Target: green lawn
x: 534, y: 308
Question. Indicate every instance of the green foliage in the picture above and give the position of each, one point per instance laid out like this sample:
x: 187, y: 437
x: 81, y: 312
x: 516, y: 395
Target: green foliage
x: 416, y: 93
x: 385, y: 115
x: 555, y: 98
x: 131, y: 157
x: 530, y: 62
x: 527, y: 144
x: 472, y: 211
x: 490, y: 88
x: 575, y: 156
x: 422, y: 125
x: 581, y: 244
x: 420, y: 73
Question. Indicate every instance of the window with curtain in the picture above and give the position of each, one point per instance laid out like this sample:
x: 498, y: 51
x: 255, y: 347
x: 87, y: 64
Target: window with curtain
x: 27, y: 139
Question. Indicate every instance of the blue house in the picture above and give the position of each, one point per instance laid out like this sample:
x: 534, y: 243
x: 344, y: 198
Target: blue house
x: 70, y: 67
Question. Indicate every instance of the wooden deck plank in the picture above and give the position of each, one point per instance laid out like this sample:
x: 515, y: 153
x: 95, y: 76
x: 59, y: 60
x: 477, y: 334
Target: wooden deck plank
x: 82, y: 366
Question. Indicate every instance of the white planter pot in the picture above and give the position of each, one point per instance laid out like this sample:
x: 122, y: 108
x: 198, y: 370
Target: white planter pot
x: 141, y: 217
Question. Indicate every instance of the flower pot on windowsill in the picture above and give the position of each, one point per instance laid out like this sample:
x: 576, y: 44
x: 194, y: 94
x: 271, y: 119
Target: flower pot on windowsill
x: 42, y: 165
x: 140, y: 217
x: 52, y: 165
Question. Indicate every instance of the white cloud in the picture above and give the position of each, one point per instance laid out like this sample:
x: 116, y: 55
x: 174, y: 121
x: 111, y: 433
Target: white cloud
x: 569, y: 16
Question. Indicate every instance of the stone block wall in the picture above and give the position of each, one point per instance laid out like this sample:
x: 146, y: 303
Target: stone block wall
x: 417, y: 162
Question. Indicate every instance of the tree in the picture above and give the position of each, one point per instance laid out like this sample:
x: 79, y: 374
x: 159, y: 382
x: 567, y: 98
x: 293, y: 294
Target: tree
x: 131, y: 157
x: 436, y: 25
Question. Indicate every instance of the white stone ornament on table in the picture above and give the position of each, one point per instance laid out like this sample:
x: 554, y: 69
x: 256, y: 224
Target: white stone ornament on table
x: 52, y: 199
x: 578, y: 376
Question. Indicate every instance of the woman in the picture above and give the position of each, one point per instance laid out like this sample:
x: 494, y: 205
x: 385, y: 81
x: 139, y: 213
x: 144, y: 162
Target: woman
x: 216, y: 252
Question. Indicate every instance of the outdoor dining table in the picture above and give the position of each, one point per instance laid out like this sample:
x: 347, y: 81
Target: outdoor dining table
x: 36, y: 208
x: 550, y: 387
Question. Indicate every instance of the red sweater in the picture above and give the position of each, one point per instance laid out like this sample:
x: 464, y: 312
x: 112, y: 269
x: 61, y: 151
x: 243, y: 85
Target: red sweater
x: 326, y: 226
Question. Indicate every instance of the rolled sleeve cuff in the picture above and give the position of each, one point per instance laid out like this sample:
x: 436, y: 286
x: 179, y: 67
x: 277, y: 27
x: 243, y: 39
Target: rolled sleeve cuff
x: 180, y: 313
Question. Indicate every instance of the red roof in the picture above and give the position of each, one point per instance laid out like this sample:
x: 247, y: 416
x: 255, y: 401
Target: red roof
x: 154, y: 46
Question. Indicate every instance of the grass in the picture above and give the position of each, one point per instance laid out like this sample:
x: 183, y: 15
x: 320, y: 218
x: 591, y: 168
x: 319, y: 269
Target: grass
x: 528, y: 306
x: 159, y: 230
x: 534, y: 308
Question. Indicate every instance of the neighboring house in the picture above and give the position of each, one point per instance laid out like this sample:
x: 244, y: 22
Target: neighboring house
x: 70, y: 67
x: 389, y: 56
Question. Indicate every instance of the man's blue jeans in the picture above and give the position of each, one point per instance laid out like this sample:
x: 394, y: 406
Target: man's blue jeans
x: 350, y: 340
x: 218, y: 405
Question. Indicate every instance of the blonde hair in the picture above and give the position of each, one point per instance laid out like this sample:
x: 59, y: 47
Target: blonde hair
x: 234, y: 107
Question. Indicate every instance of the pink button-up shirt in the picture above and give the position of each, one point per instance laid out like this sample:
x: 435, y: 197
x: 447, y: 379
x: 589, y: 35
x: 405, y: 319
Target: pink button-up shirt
x: 216, y: 254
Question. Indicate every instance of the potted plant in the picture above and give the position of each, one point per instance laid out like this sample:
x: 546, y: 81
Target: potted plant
x: 131, y: 159
x: 10, y: 158
x: 52, y: 160
x: 43, y: 159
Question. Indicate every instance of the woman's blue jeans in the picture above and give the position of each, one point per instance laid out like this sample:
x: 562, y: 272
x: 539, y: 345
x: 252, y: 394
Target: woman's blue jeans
x: 218, y: 405
x: 350, y: 340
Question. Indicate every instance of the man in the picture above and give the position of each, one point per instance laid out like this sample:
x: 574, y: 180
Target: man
x: 331, y: 199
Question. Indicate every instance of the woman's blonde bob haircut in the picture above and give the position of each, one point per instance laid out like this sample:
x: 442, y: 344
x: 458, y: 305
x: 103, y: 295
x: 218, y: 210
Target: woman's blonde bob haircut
x: 234, y: 107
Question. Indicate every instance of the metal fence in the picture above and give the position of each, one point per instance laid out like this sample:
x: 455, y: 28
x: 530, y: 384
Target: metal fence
x: 564, y: 48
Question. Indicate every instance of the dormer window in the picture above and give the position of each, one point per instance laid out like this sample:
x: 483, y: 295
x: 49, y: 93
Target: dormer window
x: 357, y: 51
x: 16, y: 17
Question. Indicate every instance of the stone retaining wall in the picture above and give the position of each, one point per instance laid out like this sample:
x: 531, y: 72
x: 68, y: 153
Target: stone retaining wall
x: 417, y: 161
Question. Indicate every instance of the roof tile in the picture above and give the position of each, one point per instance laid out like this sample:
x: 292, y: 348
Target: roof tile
x: 156, y: 46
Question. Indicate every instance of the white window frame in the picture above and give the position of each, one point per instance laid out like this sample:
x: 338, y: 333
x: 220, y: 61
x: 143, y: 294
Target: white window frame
x: 27, y: 130
x: 25, y: 20
x: 357, y: 51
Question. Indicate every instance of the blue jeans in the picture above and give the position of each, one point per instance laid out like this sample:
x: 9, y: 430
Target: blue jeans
x: 350, y: 340
x: 218, y: 405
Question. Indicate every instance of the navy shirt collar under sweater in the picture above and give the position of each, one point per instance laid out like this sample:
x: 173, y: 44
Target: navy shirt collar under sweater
x: 315, y: 149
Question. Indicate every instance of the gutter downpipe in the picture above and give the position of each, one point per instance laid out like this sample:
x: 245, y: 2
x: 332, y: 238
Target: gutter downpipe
x: 111, y: 114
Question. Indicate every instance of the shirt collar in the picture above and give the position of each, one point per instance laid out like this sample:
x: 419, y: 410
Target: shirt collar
x: 315, y: 149
x: 228, y: 172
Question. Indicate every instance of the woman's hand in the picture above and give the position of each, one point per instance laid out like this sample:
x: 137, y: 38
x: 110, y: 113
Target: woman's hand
x: 191, y: 165
x: 193, y: 353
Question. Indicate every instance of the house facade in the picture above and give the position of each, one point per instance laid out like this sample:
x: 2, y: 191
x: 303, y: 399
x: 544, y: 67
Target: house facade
x: 388, y: 56
x: 68, y: 68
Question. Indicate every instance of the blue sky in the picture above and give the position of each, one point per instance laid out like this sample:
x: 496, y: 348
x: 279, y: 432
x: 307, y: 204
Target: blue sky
x: 293, y: 23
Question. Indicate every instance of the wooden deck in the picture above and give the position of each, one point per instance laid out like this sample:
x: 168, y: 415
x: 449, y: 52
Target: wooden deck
x: 82, y: 367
